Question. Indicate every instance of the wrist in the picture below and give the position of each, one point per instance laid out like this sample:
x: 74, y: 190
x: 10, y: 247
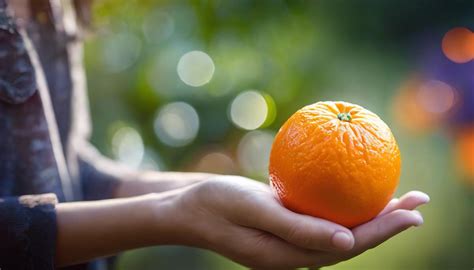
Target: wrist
x: 92, y: 229
x: 167, y: 220
x: 181, y: 217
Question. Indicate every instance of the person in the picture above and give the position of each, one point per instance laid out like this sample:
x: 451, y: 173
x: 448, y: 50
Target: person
x: 63, y: 204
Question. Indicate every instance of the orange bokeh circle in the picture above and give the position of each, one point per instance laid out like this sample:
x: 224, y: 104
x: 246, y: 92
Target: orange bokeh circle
x: 465, y: 152
x: 458, y: 45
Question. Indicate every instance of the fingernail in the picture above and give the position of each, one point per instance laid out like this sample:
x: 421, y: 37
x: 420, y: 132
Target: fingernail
x: 426, y: 198
x: 342, y: 240
x: 419, y: 218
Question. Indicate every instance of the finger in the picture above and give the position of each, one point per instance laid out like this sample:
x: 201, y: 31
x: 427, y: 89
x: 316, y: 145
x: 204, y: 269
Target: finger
x: 389, y: 207
x: 409, y: 201
x: 301, y: 230
x: 266, y: 251
x: 375, y: 232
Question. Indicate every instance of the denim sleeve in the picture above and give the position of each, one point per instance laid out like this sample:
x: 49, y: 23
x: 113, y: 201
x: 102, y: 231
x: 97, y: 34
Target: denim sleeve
x: 17, y: 82
x: 28, y: 232
x: 100, y: 176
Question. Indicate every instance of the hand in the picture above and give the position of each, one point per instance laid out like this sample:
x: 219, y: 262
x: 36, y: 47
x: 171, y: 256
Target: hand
x: 242, y: 220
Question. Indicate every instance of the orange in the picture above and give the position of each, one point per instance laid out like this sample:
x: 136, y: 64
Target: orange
x: 335, y: 160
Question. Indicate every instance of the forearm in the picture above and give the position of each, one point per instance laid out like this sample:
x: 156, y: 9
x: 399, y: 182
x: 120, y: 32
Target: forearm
x: 88, y: 230
x: 144, y: 182
x: 99, y: 173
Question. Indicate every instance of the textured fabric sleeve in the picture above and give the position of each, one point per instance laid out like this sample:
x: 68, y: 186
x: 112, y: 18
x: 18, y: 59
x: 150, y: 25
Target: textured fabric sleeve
x: 28, y: 232
x: 17, y: 82
x: 100, y: 176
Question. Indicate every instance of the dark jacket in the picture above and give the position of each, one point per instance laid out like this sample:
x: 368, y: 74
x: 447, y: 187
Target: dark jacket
x: 44, y: 128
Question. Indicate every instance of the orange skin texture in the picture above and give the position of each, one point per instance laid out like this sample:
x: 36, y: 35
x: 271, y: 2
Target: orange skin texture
x: 342, y: 171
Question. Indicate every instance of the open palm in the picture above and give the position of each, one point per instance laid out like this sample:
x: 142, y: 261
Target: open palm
x: 243, y: 220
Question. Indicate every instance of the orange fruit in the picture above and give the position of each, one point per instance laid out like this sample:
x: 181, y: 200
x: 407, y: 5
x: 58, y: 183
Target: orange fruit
x: 335, y: 160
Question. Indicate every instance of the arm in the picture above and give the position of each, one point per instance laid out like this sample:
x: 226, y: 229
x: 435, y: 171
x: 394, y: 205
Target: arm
x: 234, y: 216
x: 88, y: 230
x: 143, y: 182
x: 103, y: 178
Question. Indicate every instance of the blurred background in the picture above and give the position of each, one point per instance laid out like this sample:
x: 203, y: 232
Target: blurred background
x: 205, y: 85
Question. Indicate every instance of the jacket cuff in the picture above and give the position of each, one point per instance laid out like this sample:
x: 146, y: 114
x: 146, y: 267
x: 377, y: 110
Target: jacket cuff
x: 28, y: 231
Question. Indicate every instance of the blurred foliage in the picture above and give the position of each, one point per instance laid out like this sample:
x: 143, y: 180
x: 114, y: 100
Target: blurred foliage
x: 293, y: 53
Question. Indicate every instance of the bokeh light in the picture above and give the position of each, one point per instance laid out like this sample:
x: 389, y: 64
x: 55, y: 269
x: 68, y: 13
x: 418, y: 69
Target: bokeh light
x: 422, y: 104
x: 216, y: 162
x: 458, y: 45
x: 127, y: 146
x: 162, y: 72
x: 120, y: 51
x: 177, y: 124
x: 435, y: 96
x: 465, y: 152
x: 152, y: 161
x: 248, y: 110
x: 195, y: 68
x: 253, y: 152
x: 158, y: 26
x: 271, y: 110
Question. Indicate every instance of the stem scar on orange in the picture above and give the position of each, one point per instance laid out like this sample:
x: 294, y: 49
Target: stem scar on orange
x: 335, y: 160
